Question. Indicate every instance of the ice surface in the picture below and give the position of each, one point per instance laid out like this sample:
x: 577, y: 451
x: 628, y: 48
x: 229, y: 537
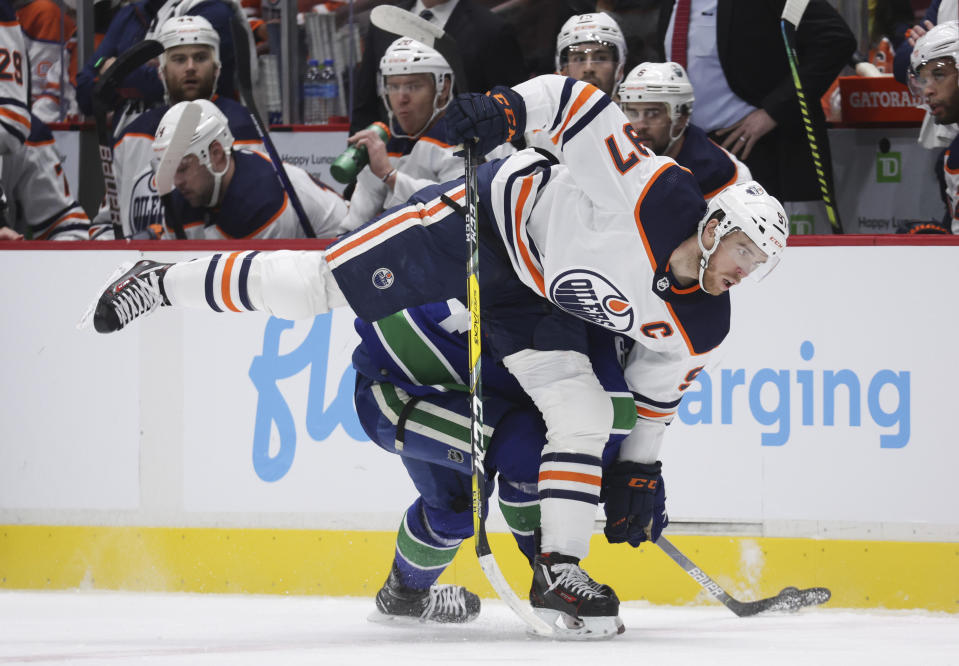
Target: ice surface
x: 118, y: 628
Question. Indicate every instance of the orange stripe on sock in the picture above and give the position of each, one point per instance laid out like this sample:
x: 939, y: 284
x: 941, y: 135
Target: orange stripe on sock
x: 225, y: 283
x: 555, y: 475
x: 648, y: 413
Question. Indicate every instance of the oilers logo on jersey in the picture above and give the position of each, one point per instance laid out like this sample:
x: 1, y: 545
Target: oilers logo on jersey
x: 588, y: 295
x: 383, y: 278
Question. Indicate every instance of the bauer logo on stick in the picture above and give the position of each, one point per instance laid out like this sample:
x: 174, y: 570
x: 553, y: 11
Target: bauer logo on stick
x: 592, y: 297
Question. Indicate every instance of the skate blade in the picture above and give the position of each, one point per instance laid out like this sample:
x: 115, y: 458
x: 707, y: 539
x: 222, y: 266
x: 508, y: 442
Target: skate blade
x: 86, y: 320
x: 568, y: 628
x: 408, y: 621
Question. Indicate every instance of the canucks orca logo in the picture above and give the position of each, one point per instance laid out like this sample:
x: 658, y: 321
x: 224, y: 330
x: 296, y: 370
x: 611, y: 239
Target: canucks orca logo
x: 590, y: 296
x: 383, y: 278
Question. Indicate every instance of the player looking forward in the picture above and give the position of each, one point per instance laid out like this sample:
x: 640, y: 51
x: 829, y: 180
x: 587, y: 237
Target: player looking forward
x: 615, y: 237
x: 657, y: 97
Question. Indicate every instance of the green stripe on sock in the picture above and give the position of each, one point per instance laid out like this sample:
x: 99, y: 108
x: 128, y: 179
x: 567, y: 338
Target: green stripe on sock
x: 420, y: 554
x: 521, y: 518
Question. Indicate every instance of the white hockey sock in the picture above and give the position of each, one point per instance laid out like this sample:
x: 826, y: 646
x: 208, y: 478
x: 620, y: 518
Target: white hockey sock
x: 569, y: 485
x: 286, y: 284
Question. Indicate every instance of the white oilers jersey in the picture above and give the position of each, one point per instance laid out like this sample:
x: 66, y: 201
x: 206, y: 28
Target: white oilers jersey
x: 255, y: 205
x: 418, y: 163
x: 595, y: 233
x: 14, y: 74
x: 40, y: 203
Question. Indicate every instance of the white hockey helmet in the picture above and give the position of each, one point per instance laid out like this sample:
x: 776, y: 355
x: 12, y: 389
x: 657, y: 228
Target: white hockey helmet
x: 942, y: 41
x: 184, y: 30
x: 664, y: 82
x: 598, y: 27
x: 211, y: 126
x: 749, y: 208
x: 408, y: 56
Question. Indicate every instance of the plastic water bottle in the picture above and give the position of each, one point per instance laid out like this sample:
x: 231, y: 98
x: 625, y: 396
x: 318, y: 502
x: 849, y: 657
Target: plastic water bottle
x: 329, y: 91
x: 313, y: 94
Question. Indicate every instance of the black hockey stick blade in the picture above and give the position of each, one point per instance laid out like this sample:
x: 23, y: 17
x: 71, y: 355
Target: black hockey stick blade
x: 407, y: 24
x: 788, y: 599
x: 136, y: 56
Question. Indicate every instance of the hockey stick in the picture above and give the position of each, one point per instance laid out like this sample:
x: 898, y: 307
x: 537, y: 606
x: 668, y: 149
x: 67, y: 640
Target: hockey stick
x: 400, y: 22
x: 244, y: 77
x: 103, y: 92
x: 788, y: 599
x: 792, y: 14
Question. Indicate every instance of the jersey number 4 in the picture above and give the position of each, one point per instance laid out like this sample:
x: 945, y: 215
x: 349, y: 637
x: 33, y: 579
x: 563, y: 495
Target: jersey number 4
x: 5, y: 60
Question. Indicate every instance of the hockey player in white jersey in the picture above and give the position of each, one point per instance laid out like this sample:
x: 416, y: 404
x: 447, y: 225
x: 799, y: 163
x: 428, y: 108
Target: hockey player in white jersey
x: 657, y: 98
x: 933, y: 78
x: 14, y: 105
x: 40, y: 204
x: 189, y: 69
x: 224, y: 193
x: 615, y: 237
x: 415, y: 84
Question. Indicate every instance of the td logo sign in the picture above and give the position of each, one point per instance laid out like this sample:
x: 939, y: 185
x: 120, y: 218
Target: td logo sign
x: 889, y: 167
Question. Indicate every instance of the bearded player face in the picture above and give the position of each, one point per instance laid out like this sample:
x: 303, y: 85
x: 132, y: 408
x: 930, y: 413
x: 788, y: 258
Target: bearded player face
x: 190, y: 73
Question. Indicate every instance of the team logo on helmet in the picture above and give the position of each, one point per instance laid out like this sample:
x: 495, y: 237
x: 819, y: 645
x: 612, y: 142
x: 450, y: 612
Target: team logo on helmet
x: 755, y: 190
x: 383, y: 278
x: 590, y: 296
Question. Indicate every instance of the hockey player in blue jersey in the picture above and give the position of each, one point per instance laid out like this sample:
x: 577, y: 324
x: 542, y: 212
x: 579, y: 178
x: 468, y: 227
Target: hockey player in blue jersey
x: 614, y: 237
x: 412, y: 370
x: 189, y: 69
x: 657, y: 98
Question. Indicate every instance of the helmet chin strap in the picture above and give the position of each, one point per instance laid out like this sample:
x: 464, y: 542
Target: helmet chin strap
x: 217, y: 180
x: 706, y: 254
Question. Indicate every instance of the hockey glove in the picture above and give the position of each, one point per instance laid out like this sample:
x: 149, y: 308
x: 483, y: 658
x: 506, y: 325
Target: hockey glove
x: 635, y: 499
x: 491, y: 119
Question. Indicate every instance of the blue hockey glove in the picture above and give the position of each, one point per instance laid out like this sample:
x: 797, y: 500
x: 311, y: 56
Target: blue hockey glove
x: 635, y: 499
x: 492, y: 119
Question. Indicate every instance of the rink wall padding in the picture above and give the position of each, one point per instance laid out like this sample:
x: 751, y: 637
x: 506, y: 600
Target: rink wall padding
x: 210, y: 452
x: 861, y: 574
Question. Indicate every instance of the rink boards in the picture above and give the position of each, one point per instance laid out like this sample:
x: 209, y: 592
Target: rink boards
x: 220, y: 453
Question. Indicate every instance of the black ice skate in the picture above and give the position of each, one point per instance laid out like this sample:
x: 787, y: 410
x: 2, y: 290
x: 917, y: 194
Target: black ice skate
x: 132, y: 291
x: 562, y: 590
x: 439, y: 604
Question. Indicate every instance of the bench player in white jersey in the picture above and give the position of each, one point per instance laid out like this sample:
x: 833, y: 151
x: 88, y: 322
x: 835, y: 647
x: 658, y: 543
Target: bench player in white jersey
x: 415, y: 84
x: 40, y: 204
x: 657, y: 98
x: 225, y: 193
x: 934, y: 79
x: 189, y: 69
x: 615, y: 237
x: 14, y: 108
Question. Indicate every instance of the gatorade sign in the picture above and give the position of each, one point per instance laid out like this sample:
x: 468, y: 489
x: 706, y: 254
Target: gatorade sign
x: 877, y: 99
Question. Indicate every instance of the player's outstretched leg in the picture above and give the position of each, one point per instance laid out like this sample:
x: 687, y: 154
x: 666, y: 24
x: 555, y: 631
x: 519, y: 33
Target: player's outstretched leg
x: 132, y: 291
x: 563, y: 590
x: 438, y: 603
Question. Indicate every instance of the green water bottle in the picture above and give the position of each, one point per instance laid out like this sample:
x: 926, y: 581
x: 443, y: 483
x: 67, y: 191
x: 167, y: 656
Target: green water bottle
x: 350, y: 161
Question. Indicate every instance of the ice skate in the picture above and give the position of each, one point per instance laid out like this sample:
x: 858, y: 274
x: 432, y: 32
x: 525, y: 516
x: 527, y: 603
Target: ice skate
x: 441, y: 604
x: 563, y: 591
x: 132, y: 291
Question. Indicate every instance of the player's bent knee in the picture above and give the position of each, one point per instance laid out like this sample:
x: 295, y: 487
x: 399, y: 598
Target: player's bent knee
x: 293, y: 284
